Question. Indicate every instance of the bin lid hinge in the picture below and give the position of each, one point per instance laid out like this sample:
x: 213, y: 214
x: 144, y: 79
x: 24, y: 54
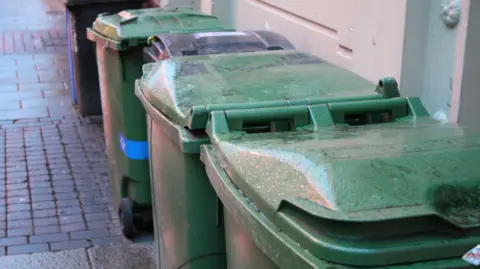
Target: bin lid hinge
x: 388, y: 87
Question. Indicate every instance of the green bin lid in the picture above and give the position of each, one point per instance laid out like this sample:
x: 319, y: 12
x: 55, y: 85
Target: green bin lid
x: 185, y: 89
x: 371, y: 195
x: 137, y: 25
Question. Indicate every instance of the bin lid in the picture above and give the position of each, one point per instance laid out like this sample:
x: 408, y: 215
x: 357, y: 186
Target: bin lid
x: 136, y: 25
x: 185, y: 89
x: 370, y: 195
x: 175, y: 45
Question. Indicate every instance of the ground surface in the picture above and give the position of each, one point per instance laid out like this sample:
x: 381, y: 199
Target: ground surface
x: 54, y: 186
x: 133, y: 256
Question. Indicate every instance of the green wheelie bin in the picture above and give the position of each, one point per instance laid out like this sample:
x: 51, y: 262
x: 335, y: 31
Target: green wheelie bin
x: 179, y: 94
x: 120, y: 39
x: 358, y: 184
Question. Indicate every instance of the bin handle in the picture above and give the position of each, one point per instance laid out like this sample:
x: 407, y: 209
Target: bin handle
x: 376, y: 111
x: 390, y: 109
x: 151, y: 40
x: 388, y: 87
x: 264, y: 119
x: 292, y: 118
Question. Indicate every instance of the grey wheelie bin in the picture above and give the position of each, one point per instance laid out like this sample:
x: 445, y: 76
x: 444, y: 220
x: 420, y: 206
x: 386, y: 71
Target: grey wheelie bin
x: 180, y: 93
x: 358, y: 184
x: 83, y: 65
x: 209, y: 43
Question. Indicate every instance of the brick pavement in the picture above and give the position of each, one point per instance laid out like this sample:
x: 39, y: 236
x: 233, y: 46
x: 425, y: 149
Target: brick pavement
x: 31, y: 15
x: 54, y: 189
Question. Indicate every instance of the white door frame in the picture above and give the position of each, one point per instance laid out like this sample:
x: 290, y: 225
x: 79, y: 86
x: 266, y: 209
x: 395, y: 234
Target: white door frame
x: 465, y: 87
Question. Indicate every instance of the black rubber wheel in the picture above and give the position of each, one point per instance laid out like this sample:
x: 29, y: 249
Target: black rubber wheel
x: 126, y: 218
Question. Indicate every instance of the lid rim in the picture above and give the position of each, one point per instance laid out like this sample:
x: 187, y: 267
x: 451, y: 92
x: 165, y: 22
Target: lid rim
x: 271, y: 234
x: 113, y: 24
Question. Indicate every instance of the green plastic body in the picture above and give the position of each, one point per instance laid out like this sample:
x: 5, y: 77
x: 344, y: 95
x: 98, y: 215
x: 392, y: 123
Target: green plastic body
x: 398, y: 191
x: 188, y: 223
x: 178, y: 100
x: 123, y: 115
x: 187, y: 210
x: 246, y: 229
x: 242, y: 251
x: 120, y: 40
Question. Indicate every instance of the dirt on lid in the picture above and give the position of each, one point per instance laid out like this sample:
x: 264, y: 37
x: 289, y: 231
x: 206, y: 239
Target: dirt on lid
x: 461, y: 204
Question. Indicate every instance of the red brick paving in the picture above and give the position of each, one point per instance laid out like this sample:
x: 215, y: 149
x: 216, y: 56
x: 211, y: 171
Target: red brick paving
x: 54, y: 188
x: 42, y: 41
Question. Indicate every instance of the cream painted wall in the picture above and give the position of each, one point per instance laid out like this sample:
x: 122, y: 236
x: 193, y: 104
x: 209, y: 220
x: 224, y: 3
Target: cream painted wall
x: 363, y: 36
x: 406, y: 39
x: 465, y: 89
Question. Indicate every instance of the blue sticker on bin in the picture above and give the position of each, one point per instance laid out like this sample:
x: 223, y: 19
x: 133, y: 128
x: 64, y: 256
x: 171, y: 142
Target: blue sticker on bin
x: 134, y: 150
x: 70, y: 57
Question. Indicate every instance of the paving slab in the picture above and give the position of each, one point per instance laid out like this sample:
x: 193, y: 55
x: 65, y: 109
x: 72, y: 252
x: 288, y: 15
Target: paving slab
x: 54, y: 185
x: 131, y: 256
x: 72, y: 259
x: 30, y: 15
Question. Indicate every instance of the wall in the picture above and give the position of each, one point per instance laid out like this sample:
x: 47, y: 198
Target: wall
x: 363, y: 36
x: 191, y: 3
x: 429, y: 56
x: 153, y: 3
x: 406, y: 39
x: 466, y: 96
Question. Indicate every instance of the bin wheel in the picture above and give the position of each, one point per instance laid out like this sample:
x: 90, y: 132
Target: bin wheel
x: 126, y: 218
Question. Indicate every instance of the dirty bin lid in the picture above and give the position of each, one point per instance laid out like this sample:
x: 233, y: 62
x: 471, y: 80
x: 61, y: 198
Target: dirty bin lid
x: 371, y: 195
x: 175, y: 45
x: 185, y: 89
x: 136, y: 25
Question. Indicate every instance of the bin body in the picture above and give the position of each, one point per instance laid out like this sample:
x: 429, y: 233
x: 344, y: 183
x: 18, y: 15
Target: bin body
x: 125, y: 138
x: 83, y: 65
x: 373, y: 183
x: 178, y: 95
x: 186, y: 195
x: 119, y: 49
x: 242, y: 253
